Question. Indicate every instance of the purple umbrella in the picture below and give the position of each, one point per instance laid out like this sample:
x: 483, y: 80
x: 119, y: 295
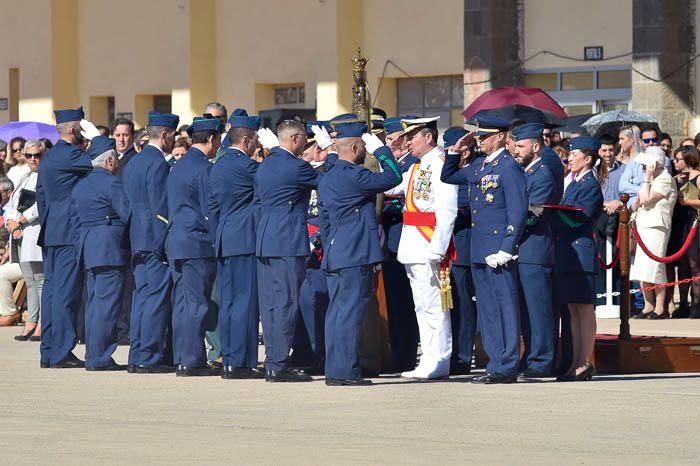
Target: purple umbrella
x: 28, y: 130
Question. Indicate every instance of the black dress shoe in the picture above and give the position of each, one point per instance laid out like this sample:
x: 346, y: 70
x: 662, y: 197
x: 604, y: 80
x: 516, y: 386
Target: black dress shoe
x: 233, y: 372
x: 318, y: 368
x: 154, y: 369
x: 490, y: 379
x: 530, y: 374
x: 460, y: 368
x: 110, y: 367
x: 348, y: 382
x: 642, y: 315
x: 71, y: 362
x: 288, y: 375
x: 694, y: 314
x: 26, y: 336
x: 655, y: 316
x: 681, y: 312
x: 131, y: 368
x: 204, y: 371
x: 586, y: 374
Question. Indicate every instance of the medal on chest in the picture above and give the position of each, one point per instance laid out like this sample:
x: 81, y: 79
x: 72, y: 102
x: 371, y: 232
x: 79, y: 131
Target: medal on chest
x: 313, y: 204
x: 489, y: 182
x: 422, y: 184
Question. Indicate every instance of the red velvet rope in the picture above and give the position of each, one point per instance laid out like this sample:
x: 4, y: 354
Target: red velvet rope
x: 615, y: 258
x: 667, y: 259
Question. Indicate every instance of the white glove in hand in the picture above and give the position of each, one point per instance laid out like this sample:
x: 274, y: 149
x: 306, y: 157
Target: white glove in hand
x: 502, y: 258
x: 267, y: 138
x: 323, y: 139
x: 89, y: 131
x: 491, y: 261
x: 372, y: 142
x: 312, y: 246
x: 434, y: 257
x: 536, y: 210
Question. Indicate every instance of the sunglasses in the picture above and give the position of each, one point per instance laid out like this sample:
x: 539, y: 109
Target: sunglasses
x: 218, y: 117
x: 33, y: 156
x: 649, y: 140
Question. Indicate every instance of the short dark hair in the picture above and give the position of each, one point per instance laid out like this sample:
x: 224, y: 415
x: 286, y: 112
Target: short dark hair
x: 650, y: 128
x: 202, y: 137
x: 121, y: 121
x: 154, y: 132
x: 607, y: 139
x: 235, y: 135
x: 696, y: 140
x: 689, y: 154
x: 663, y: 136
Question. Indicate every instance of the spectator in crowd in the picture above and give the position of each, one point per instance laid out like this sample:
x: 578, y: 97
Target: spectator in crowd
x: 15, y: 146
x: 122, y: 130
x: 10, y: 272
x: 547, y: 137
x: 556, y: 139
x: 687, y: 163
x: 22, y: 218
x: 140, y: 139
x: 666, y: 143
x: 653, y: 209
x: 696, y: 141
x: 633, y: 174
x: 19, y: 167
x: 47, y: 144
x: 650, y: 137
x: 180, y: 148
x: 104, y: 131
x: 688, y: 142
x: 182, y: 132
x: 3, y: 157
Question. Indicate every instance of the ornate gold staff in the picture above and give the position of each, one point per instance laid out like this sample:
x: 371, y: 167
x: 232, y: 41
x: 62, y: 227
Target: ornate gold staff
x: 360, y: 92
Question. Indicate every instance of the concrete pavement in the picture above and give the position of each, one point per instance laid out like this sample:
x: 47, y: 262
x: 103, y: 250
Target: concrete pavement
x: 68, y: 416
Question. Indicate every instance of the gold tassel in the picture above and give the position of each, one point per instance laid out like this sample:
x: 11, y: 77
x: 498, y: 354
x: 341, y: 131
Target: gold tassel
x: 445, y: 289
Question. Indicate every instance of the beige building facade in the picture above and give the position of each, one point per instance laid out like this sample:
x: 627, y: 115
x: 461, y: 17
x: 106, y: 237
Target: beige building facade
x: 128, y: 57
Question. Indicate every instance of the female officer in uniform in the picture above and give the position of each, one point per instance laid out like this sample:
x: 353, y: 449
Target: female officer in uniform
x: 576, y: 258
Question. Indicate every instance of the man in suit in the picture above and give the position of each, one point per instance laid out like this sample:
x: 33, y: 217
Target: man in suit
x: 144, y: 180
x: 283, y: 186
x: 59, y: 172
x: 498, y: 199
x: 536, y: 256
x: 232, y: 215
x: 104, y: 249
x: 347, y: 195
x: 189, y: 247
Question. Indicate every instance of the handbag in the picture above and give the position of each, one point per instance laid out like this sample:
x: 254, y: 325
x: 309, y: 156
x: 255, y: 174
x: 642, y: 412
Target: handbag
x: 27, y: 198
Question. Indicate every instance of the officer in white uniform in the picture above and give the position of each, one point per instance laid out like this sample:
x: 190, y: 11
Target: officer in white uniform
x: 429, y: 217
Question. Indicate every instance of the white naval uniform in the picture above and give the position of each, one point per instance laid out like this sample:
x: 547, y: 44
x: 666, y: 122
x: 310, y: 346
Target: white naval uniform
x: 429, y: 195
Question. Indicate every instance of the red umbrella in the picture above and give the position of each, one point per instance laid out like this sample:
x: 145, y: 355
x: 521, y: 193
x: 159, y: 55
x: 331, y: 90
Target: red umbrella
x: 502, y: 96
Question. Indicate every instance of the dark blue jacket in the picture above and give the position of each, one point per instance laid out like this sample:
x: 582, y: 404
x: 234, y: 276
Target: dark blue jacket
x: 347, y: 194
x: 188, y: 205
x: 61, y: 168
x: 283, y: 186
x: 574, y: 247
x: 498, y: 200
x: 144, y: 180
x: 537, y: 244
x: 101, y: 205
x: 126, y: 158
x: 463, y: 228
x: 392, y: 210
x: 232, y: 212
x: 556, y: 167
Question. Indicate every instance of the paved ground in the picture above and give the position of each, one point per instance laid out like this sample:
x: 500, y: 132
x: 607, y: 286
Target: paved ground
x: 52, y: 416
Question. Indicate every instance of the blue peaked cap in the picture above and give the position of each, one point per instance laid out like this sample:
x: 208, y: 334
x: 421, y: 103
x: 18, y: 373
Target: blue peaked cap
x: 168, y: 120
x: 64, y: 116
x: 100, y: 145
x: 453, y: 135
x: 241, y: 119
x: 350, y: 130
x: 584, y: 142
x: 489, y: 125
x: 527, y: 131
x: 205, y: 124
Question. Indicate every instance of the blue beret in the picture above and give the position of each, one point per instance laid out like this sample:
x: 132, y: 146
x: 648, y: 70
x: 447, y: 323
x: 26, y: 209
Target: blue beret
x: 489, y: 125
x: 64, y: 116
x: 528, y: 131
x: 205, y: 124
x: 163, y: 119
x: 452, y: 135
x: 100, y: 145
x: 584, y: 142
x: 350, y: 130
x: 241, y: 119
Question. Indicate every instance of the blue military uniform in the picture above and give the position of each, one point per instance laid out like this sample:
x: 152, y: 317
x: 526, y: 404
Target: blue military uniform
x: 104, y: 249
x: 60, y: 170
x: 498, y: 200
x: 144, y: 181
x: 403, y: 327
x: 347, y: 194
x: 283, y: 185
x: 233, y: 215
x: 535, y: 262
x: 190, y: 250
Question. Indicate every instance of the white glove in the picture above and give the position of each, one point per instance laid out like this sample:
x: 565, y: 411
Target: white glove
x: 491, y: 261
x: 536, y: 210
x: 89, y: 130
x: 267, y: 138
x: 372, y: 142
x: 323, y: 139
x: 312, y: 246
x: 434, y: 257
x: 502, y: 258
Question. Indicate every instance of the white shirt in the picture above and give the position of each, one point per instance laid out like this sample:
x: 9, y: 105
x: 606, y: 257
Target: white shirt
x: 17, y: 172
x: 493, y: 155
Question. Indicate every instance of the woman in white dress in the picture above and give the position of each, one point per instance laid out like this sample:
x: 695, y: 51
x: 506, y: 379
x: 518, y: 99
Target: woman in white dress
x: 653, y: 212
x: 23, y: 224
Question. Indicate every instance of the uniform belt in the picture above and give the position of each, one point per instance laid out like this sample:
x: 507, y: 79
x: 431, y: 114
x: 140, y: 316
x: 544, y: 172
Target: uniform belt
x: 107, y: 220
x: 419, y: 219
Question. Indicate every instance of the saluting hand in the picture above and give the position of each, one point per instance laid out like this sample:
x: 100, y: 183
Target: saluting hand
x: 89, y: 130
x: 464, y: 143
x: 372, y: 142
x: 323, y: 139
x: 267, y: 138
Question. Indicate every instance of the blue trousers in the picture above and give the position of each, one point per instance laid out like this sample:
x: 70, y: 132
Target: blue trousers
x: 536, y: 317
x: 498, y: 316
x: 192, y: 283
x: 60, y: 301
x: 403, y: 326
x: 313, y: 303
x: 105, y: 286
x: 279, y: 283
x: 463, y: 316
x: 238, y: 310
x: 350, y: 290
x: 151, y: 313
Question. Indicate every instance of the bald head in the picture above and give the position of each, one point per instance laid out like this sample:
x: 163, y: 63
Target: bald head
x: 351, y: 150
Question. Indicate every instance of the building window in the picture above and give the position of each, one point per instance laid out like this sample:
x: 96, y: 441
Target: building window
x: 545, y: 81
x: 577, y: 81
x: 162, y: 103
x: 435, y: 96
x: 289, y: 95
x: 614, y: 79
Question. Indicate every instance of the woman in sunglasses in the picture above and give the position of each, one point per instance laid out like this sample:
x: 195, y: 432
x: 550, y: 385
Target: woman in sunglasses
x: 23, y: 224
